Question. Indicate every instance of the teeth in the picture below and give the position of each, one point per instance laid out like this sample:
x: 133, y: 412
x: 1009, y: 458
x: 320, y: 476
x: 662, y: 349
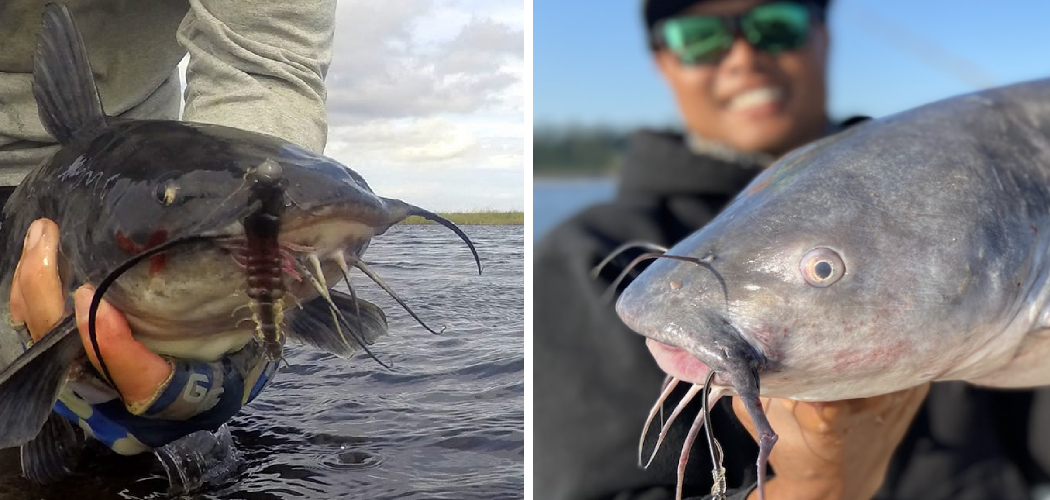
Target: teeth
x: 756, y: 97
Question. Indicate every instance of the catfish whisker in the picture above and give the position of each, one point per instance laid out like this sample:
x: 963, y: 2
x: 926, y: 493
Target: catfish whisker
x: 611, y: 290
x: 693, y: 390
x: 683, y: 459
x: 623, y: 248
x: 668, y: 380
x: 317, y: 267
x: 337, y: 316
x: 718, y: 471
x: 431, y: 216
x: 319, y: 284
x: 703, y: 419
x: 238, y: 309
x: 375, y: 278
x: 340, y: 260
x: 669, y: 384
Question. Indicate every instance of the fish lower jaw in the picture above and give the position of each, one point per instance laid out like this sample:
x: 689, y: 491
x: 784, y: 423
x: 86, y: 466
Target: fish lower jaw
x: 677, y: 362
x: 325, y: 236
x: 201, y: 348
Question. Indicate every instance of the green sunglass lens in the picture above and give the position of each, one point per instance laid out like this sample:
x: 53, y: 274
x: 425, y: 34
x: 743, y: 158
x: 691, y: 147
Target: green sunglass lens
x: 697, y: 39
x: 777, y: 27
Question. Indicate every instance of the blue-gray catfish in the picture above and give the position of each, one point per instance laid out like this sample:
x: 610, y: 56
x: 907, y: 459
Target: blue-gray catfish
x: 908, y: 249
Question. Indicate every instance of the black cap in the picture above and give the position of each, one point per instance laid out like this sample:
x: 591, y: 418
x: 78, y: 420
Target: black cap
x: 655, y: 11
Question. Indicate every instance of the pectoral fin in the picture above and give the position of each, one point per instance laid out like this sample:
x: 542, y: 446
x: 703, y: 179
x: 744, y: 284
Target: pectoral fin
x: 30, y: 385
x: 314, y: 324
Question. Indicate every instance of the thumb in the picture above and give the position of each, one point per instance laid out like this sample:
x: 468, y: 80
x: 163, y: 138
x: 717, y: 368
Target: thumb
x: 110, y: 331
x: 36, y: 291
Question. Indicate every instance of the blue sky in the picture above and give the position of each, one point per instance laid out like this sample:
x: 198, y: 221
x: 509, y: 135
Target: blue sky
x: 591, y: 66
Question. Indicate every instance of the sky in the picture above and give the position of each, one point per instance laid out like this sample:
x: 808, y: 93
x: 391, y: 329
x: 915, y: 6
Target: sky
x: 426, y: 100
x: 592, y: 68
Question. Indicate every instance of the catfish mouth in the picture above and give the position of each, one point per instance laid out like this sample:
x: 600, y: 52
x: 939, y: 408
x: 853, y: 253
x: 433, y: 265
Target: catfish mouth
x: 691, y: 348
x: 706, y: 351
x: 726, y: 354
x: 737, y: 367
x: 679, y: 363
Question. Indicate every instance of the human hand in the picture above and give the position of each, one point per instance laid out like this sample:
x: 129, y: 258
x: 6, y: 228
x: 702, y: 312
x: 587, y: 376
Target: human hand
x: 37, y: 298
x: 834, y: 450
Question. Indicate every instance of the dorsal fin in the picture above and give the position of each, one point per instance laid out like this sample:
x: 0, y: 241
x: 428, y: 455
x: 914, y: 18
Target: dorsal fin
x: 66, y: 97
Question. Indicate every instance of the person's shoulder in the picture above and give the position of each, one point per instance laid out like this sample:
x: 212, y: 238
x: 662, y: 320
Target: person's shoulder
x: 649, y: 142
x: 596, y: 230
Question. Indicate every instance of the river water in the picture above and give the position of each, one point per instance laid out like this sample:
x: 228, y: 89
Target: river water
x: 447, y: 422
x: 554, y: 200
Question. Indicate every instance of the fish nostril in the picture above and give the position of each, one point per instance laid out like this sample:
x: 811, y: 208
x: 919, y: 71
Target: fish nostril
x: 675, y: 285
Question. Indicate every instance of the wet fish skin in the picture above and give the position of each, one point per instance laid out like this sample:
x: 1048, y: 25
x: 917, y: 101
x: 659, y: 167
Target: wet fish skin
x: 908, y: 249
x: 941, y: 216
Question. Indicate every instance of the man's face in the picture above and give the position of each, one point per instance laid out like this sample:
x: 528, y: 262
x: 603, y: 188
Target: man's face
x: 751, y: 100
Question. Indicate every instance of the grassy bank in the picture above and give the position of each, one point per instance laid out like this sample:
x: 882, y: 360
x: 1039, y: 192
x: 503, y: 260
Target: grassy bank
x: 475, y: 218
x: 572, y: 152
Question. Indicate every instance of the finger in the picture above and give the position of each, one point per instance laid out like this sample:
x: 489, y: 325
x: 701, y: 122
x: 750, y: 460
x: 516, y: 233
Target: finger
x: 137, y: 372
x: 885, y: 407
x: 37, y: 289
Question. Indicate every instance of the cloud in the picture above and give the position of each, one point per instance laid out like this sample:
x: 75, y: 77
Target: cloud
x: 443, y: 164
x: 432, y: 143
x: 419, y: 59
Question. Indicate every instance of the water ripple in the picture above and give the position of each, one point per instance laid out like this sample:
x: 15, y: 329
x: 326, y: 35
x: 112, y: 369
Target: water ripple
x: 446, y: 423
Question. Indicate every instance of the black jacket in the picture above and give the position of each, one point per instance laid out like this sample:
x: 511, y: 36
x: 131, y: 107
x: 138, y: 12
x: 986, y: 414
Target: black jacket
x: 594, y: 380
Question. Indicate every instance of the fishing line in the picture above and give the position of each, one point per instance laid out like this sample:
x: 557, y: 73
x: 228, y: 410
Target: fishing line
x: 718, y: 472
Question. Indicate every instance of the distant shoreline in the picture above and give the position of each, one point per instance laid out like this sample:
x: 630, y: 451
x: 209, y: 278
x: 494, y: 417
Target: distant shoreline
x: 475, y: 218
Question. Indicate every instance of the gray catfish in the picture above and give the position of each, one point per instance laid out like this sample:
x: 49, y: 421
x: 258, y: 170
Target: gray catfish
x: 908, y: 249
x: 204, y: 236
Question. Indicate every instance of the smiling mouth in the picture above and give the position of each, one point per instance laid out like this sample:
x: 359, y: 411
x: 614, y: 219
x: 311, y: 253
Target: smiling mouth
x: 758, y: 98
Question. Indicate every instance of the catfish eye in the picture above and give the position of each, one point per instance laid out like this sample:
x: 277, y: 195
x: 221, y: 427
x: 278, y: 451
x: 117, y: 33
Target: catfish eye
x: 821, y: 267
x: 167, y: 192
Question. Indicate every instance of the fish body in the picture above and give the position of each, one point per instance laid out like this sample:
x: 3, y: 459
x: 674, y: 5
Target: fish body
x: 137, y: 184
x: 908, y: 249
x: 206, y: 238
x: 940, y: 220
